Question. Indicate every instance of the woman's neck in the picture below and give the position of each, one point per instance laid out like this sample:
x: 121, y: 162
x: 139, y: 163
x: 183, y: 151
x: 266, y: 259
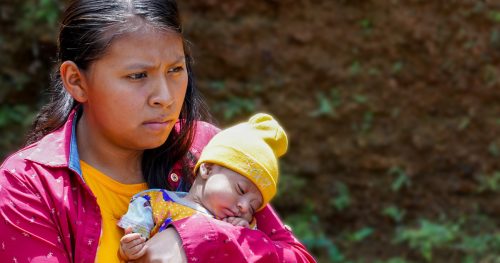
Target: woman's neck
x: 119, y: 164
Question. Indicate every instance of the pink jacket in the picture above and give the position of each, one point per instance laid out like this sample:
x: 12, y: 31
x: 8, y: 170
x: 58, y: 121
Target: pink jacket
x: 48, y: 213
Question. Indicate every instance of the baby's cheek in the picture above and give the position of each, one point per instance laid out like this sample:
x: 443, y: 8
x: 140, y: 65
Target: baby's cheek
x: 248, y: 217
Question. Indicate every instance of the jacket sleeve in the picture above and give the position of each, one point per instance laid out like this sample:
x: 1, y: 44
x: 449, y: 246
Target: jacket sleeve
x: 209, y: 240
x: 29, y: 233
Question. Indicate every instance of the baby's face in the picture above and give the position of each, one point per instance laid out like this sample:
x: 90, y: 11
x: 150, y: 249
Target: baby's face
x: 229, y: 194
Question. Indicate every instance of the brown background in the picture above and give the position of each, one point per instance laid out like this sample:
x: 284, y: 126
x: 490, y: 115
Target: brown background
x: 388, y: 104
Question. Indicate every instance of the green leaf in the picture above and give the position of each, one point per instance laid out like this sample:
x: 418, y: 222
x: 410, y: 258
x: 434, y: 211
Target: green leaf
x: 494, y: 16
x: 360, y: 99
x: 397, y: 67
x: 401, y: 180
x: 355, y: 68
x: 395, y: 213
x: 342, y: 200
x: 361, y: 234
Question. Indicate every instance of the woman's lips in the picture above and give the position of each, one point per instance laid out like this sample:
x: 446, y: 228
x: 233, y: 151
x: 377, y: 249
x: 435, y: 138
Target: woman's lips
x: 157, y: 125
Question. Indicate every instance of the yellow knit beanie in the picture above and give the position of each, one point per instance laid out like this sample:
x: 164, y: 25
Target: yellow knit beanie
x: 250, y: 149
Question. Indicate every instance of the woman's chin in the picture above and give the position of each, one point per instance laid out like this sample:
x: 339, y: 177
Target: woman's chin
x: 152, y: 144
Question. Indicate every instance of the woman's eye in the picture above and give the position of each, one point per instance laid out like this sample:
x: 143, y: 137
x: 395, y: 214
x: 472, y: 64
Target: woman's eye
x: 176, y: 69
x: 136, y: 76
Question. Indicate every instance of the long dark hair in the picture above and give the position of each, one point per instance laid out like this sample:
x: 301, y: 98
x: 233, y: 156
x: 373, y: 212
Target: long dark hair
x: 88, y: 28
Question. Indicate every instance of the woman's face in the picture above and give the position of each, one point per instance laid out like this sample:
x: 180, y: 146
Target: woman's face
x: 136, y: 90
x: 229, y: 194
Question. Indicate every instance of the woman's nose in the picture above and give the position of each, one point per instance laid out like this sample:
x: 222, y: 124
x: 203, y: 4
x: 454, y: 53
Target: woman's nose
x: 162, y: 94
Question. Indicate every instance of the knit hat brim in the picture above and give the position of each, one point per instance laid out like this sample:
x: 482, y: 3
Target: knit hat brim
x: 236, y: 160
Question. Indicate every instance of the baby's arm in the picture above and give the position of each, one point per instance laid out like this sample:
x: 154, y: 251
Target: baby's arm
x: 137, y: 224
x: 132, y: 245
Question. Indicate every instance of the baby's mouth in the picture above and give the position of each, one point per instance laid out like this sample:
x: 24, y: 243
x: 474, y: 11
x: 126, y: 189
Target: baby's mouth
x: 230, y: 213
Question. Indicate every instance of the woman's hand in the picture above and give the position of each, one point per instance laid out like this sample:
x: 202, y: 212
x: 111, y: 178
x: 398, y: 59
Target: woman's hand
x: 164, y: 247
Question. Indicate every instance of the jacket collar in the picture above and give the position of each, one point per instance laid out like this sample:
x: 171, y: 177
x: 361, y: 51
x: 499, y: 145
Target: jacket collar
x: 58, y: 148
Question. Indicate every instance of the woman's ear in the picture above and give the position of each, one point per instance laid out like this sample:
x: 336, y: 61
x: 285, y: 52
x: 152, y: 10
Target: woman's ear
x: 205, y: 169
x: 73, y: 80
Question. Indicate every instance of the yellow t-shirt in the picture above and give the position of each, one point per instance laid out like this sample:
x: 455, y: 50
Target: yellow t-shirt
x: 113, y: 199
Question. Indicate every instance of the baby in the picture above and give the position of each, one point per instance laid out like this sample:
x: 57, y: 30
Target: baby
x: 236, y: 176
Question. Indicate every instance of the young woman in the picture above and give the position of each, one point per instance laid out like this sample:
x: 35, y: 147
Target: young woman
x: 124, y: 117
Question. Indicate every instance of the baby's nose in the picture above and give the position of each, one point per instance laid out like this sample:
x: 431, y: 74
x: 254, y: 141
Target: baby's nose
x: 243, y: 206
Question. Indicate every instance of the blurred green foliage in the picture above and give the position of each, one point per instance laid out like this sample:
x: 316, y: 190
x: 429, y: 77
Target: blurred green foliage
x: 235, y: 106
x: 327, y: 104
x: 342, y: 199
x: 28, y: 31
x: 394, y: 213
x: 401, y: 180
x: 427, y: 236
x: 309, y: 229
